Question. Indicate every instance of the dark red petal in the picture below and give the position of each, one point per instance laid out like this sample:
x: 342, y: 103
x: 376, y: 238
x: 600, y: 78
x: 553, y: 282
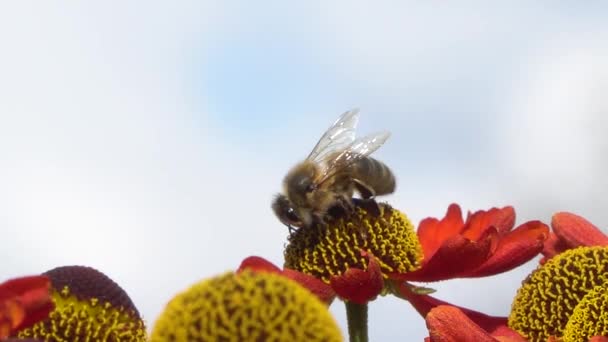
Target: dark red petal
x: 576, y: 231
x: 359, y: 286
x: 424, y: 304
x: 456, y: 257
x: 314, y: 285
x: 24, y: 301
x: 477, y: 223
x: 257, y: 263
x: 448, y: 324
x: 432, y: 233
x: 515, y: 248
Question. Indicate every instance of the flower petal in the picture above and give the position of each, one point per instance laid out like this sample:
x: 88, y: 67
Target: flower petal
x: 257, y: 263
x: 432, y: 233
x: 598, y: 339
x: 515, y: 248
x: 359, y: 286
x: 424, y: 304
x: 552, y: 247
x: 456, y: 257
x: 449, y: 324
x: 576, y: 231
x: 477, y: 223
x: 24, y: 301
x: 313, y: 284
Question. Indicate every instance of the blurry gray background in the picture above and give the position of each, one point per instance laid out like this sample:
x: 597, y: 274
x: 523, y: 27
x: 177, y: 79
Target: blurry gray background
x: 146, y: 139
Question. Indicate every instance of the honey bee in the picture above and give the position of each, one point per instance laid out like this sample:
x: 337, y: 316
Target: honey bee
x: 327, y: 179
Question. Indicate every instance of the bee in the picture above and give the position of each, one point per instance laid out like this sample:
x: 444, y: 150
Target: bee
x: 327, y: 179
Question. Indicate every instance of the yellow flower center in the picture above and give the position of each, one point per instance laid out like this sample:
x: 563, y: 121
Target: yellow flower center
x: 74, y: 319
x: 246, y: 307
x: 548, y: 297
x: 330, y: 249
x: 590, y: 317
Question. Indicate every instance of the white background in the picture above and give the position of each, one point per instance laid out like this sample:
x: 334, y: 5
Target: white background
x: 146, y: 139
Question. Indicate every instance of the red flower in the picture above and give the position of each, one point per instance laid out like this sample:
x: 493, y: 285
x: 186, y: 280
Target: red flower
x: 354, y: 285
x: 23, y: 302
x: 571, y: 231
x: 483, y: 245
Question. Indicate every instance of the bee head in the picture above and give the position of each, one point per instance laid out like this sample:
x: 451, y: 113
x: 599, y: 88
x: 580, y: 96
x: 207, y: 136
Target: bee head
x: 299, y: 183
x: 285, y: 211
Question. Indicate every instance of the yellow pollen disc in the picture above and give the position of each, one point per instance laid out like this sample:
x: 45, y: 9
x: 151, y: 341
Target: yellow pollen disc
x: 76, y: 319
x: 548, y: 297
x: 330, y: 249
x: 590, y: 317
x: 246, y: 307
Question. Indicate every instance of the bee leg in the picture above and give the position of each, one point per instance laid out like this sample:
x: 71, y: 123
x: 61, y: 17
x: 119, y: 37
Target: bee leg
x: 369, y: 205
x: 364, y: 190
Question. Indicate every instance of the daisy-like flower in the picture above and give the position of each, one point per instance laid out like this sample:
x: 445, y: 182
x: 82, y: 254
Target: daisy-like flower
x: 23, y: 302
x: 89, y: 306
x: 565, y: 297
x: 354, y: 255
x: 367, y: 253
x: 248, y: 306
x: 571, y: 231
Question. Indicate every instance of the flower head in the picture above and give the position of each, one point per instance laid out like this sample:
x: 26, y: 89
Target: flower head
x: 547, y: 299
x: 255, y: 306
x: 483, y: 245
x: 88, y: 306
x: 23, y: 302
x: 571, y: 231
x: 355, y: 254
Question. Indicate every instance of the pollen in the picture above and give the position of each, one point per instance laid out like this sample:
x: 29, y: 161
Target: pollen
x: 89, y: 306
x: 590, y: 317
x: 245, y: 307
x: 330, y: 249
x: 548, y: 297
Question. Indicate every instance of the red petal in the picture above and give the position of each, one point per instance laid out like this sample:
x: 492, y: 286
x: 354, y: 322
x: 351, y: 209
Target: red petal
x: 359, y: 286
x: 25, y: 301
x: 598, y: 339
x: 576, y: 231
x: 257, y: 263
x: 12, y: 313
x: 424, y: 304
x: 515, y: 248
x: 477, y: 223
x: 506, y: 334
x: 448, y: 324
x: 314, y: 285
x: 432, y: 233
x: 552, y: 247
x: 456, y: 257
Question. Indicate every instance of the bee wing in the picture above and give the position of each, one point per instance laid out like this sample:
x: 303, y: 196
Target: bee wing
x: 337, y: 137
x: 357, y: 150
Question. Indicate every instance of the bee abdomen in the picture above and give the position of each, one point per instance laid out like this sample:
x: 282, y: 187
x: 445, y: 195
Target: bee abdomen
x: 375, y: 175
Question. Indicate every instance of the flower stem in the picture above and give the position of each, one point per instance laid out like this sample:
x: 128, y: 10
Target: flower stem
x: 356, y: 315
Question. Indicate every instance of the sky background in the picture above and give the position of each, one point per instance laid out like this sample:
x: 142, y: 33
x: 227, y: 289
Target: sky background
x: 146, y: 139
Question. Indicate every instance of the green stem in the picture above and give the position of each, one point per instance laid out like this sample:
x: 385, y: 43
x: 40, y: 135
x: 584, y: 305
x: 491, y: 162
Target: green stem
x: 356, y: 315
